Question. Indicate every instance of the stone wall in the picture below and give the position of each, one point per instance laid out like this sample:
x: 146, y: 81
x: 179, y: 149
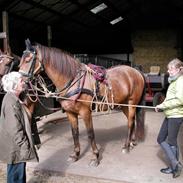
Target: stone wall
x: 154, y: 47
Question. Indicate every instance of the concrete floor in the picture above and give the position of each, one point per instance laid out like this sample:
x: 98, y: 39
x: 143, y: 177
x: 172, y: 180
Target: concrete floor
x: 141, y: 165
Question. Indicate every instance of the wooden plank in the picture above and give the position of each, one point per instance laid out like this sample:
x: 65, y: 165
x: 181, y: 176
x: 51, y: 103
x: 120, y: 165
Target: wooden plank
x: 5, y: 29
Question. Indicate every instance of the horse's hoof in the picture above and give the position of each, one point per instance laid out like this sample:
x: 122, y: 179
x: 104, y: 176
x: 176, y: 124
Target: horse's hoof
x: 72, y: 159
x: 131, y: 145
x: 94, y: 163
x: 134, y: 143
x: 125, y: 150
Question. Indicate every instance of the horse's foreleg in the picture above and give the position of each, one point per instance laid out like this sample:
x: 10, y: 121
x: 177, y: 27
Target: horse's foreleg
x: 73, y: 119
x: 87, y: 117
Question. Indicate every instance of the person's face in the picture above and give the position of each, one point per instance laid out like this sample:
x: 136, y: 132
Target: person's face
x: 172, y: 70
x: 20, y: 86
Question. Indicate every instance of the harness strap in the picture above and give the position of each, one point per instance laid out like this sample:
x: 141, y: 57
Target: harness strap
x: 79, y: 91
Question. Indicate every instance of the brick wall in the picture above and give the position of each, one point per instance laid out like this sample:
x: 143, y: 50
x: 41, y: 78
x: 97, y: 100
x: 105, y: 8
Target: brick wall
x: 154, y: 47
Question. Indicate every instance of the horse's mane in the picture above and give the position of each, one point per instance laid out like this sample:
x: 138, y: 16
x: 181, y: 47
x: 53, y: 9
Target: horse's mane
x: 62, y: 61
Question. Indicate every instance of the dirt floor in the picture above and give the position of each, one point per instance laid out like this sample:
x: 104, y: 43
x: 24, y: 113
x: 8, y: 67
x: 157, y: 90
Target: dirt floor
x: 34, y: 176
x: 141, y: 165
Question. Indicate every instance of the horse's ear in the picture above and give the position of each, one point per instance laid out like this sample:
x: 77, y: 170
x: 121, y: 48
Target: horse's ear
x: 28, y: 45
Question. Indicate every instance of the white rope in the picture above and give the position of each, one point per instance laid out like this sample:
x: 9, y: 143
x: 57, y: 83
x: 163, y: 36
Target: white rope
x: 107, y: 103
x: 99, y: 103
x: 96, y: 102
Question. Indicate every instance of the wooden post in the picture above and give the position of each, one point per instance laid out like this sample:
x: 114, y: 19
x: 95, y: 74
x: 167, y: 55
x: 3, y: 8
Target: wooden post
x: 5, y: 30
x: 2, y: 35
x: 49, y: 34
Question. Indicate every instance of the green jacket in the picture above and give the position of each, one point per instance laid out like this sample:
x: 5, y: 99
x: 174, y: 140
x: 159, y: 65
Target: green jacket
x: 173, y: 103
x: 16, y: 144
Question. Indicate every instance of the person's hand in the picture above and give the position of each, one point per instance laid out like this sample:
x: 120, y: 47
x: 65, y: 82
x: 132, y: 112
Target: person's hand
x: 157, y: 108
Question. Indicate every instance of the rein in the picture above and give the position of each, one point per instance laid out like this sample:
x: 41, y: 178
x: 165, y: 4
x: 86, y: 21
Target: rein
x: 96, y: 102
x: 38, y: 98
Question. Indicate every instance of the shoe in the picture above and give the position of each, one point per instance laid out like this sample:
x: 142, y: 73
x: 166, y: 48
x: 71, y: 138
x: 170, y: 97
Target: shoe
x: 167, y: 170
x: 177, y: 170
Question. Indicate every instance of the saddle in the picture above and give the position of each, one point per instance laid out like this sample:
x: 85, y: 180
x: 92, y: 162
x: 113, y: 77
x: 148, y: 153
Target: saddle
x: 99, y: 72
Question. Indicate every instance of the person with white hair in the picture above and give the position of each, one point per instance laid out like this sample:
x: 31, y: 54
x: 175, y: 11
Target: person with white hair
x: 16, y: 141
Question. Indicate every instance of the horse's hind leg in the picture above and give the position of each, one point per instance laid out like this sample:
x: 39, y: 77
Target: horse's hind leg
x: 87, y: 117
x: 130, y: 140
x: 73, y: 119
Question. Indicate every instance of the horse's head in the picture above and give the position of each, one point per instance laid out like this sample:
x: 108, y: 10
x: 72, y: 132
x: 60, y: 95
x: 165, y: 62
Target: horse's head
x: 30, y: 63
x: 5, y: 64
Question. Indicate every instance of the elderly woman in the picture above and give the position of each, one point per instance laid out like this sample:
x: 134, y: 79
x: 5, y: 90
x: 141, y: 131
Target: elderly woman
x: 15, y: 133
x: 173, y: 110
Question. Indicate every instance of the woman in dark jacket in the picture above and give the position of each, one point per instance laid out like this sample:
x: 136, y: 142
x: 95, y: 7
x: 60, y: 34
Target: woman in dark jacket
x: 16, y: 142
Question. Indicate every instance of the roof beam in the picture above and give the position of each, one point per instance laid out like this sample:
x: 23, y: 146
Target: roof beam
x: 85, y: 8
x: 62, y: 16
x: 6, y: 4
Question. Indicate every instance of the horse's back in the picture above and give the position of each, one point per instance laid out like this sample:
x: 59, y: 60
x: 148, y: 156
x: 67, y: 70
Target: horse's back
x: 124, y: 70
x: 126, y: 83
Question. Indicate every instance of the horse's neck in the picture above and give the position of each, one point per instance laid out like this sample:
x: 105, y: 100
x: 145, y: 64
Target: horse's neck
x: 59, y: 80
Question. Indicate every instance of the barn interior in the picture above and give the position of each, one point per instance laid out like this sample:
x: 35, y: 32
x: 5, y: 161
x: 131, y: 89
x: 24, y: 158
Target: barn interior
x: 75, y: 26
x: 138, y: 33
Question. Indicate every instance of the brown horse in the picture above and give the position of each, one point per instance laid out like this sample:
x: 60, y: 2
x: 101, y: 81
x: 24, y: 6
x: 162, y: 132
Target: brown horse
x: 77, y: 88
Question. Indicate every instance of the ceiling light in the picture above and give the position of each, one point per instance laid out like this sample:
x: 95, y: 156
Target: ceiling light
x: 116, y: 20
x: 98, y: 8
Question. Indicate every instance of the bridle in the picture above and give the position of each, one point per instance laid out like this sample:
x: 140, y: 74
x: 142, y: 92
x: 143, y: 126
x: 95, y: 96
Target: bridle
x: 32, y: 63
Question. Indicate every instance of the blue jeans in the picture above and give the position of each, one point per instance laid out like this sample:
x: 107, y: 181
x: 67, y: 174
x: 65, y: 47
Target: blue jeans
x: 16, y: 173
x: 169, y: 131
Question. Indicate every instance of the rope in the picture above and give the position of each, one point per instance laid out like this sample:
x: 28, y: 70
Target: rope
x: 99, y: 103
x: 107, y: 103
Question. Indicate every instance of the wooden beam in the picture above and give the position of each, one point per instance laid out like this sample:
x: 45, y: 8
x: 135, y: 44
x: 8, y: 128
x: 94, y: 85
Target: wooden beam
x: 5, y: 30
x: 2, y: 35
x: 55, y: 13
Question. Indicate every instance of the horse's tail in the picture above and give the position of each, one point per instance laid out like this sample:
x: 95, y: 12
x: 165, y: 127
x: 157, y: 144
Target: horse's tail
x: 140, y: 115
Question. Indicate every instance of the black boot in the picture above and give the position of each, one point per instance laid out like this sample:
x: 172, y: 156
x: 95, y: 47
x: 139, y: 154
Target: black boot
x: 177, y: 171
x: 167, y: 170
